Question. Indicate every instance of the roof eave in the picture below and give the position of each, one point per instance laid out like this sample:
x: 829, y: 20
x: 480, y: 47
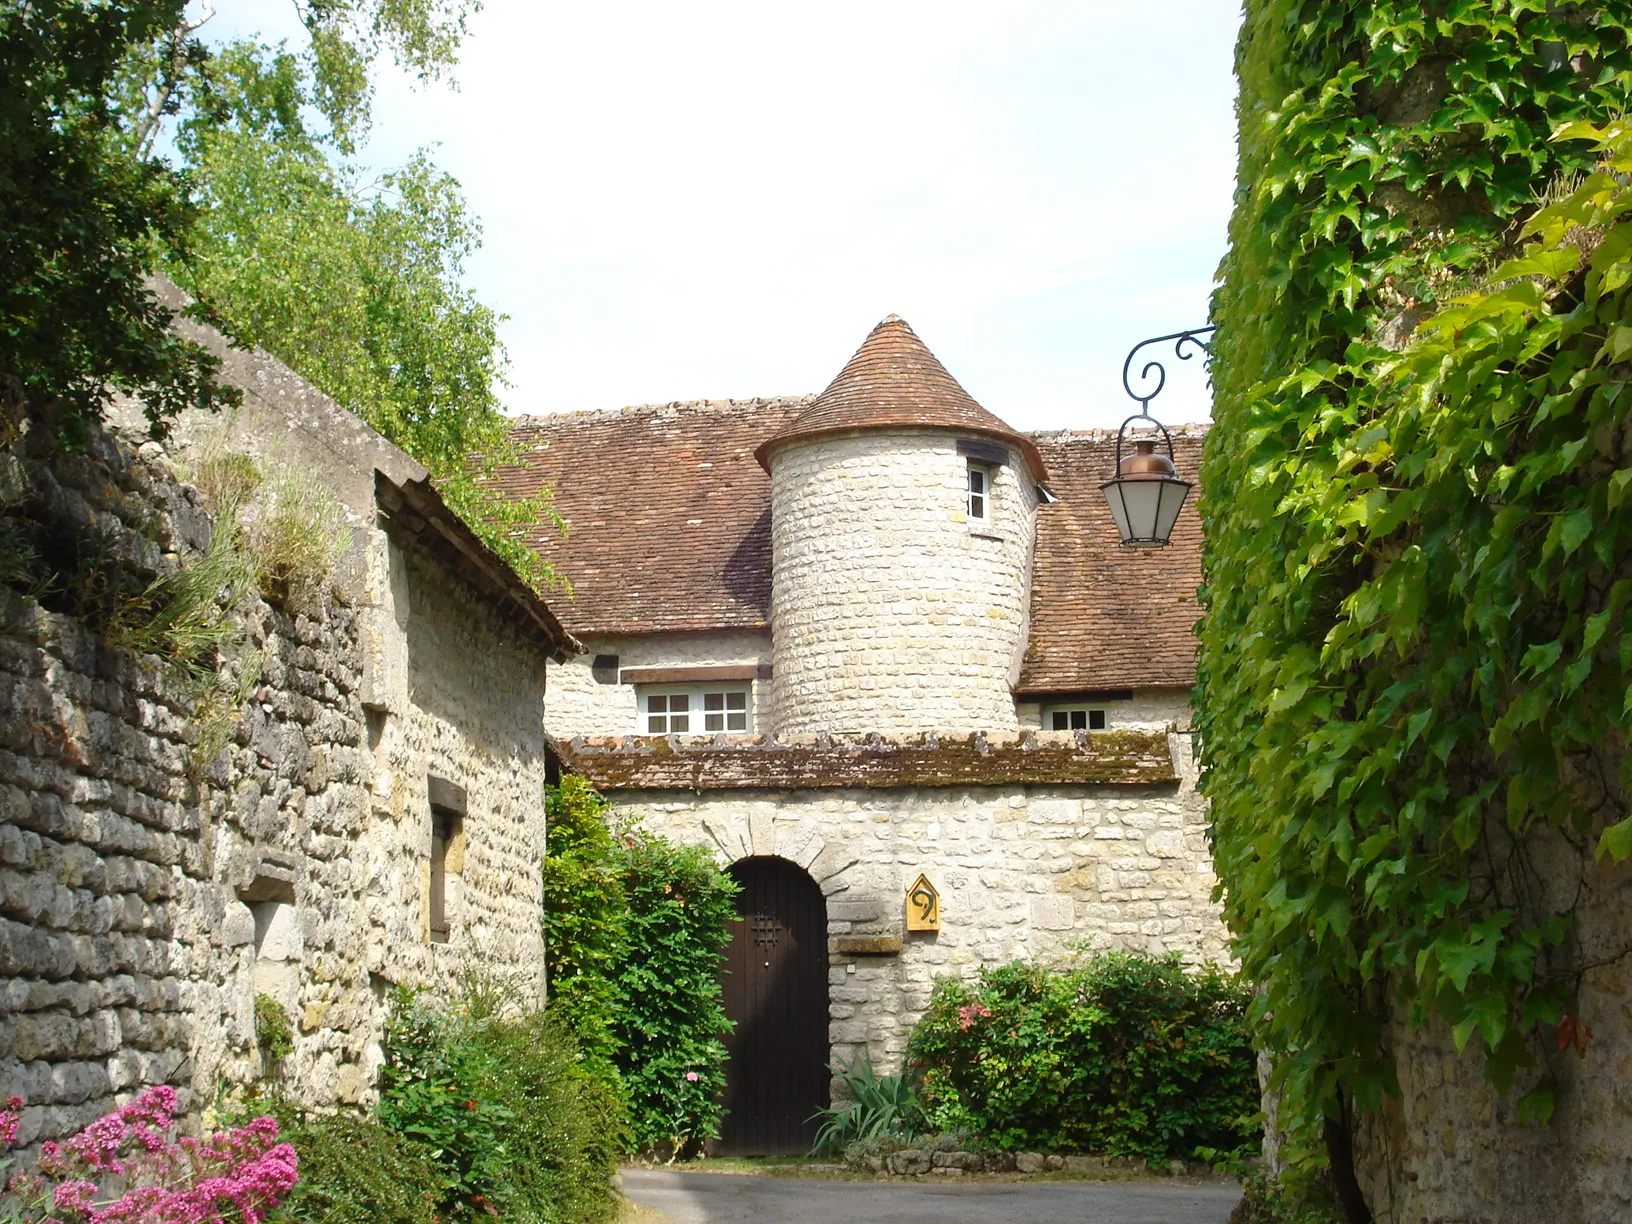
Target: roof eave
x: 416, y: 507
x: 1027, y: 448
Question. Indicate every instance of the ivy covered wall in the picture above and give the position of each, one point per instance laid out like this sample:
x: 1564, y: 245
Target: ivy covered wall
x: 1414, y: 675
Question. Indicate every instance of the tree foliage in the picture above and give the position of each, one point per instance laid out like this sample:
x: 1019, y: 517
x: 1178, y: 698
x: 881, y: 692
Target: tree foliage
x: 83, y: 216
x: 358, y: 285
x: 1414, y: 677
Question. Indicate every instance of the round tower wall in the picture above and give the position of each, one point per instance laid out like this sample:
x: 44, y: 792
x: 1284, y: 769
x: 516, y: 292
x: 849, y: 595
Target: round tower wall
x: 892, y: 610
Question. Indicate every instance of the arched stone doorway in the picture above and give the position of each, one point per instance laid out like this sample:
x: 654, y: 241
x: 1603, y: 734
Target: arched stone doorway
x: 776, y: 1077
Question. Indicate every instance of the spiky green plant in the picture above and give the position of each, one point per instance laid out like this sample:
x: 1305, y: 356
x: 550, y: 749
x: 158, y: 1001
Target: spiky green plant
x: 880, y: 1106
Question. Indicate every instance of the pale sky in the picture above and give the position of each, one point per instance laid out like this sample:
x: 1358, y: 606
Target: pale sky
x: 720, y: 199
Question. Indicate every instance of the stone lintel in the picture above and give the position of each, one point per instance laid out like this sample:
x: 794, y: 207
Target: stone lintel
x: 867, y: 945
x: 695, y: 675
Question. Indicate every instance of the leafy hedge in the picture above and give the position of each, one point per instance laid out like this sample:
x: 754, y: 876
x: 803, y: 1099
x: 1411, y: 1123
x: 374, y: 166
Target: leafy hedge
x: 635, y: 926
x: 504, y: 1109
x: 1124, y: 1054
x: 354, y: 1171
x: 1413, y: 663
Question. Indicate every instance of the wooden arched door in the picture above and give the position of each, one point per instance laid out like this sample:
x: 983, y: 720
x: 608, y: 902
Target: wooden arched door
x: 776, y: 995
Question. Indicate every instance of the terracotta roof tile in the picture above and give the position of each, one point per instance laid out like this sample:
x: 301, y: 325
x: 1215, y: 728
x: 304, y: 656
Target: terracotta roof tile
x: 1104, y: 616
x: 669, y: 532
x: 894, y: 380
x: 668, y: 516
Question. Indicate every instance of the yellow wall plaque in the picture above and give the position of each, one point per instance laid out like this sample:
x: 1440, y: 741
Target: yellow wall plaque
x: 923, y: 906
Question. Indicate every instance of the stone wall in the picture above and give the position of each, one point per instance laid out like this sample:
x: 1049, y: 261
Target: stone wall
x: 1450, y: 1148
x: 580, y: 704
x: 1024, y: 870
x: 146, y: 896
x: 471, y: 712
x: 892, y: 611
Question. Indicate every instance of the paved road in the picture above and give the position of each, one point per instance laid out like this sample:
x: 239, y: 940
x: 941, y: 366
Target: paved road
x: 725, y: 1198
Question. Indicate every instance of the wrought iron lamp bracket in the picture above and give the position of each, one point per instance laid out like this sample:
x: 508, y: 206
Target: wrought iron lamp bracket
x: 1185, y: 345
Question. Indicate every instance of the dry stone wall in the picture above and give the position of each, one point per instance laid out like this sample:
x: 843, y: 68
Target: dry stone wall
x: 894, y: 612
x: 146, y: 896
x: 471, y: 712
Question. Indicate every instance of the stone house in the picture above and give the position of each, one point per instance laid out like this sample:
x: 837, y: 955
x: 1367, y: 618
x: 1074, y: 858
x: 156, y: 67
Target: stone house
x: 886, y: 656
x: 375, y: 819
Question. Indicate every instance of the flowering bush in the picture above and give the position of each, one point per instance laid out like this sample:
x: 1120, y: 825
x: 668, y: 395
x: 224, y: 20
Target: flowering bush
x: 1123, y: 1053
x: 123, y: 1169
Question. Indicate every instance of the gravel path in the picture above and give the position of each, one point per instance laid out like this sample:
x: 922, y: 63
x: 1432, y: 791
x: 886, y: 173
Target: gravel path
x: 725, y: 1198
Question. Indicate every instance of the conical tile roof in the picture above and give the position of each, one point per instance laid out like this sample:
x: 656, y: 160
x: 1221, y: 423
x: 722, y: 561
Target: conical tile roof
x: 894, y: 381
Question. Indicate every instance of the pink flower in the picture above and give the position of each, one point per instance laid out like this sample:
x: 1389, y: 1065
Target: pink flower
x: 691, y: 1077
x: 8, y: 1120
x: 240, y: 1174
x: 74, y: 1196
x: 969, y: 1014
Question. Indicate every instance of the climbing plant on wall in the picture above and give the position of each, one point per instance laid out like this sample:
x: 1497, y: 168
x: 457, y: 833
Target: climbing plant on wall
x: 634, y: 928
x: 1414, y: 669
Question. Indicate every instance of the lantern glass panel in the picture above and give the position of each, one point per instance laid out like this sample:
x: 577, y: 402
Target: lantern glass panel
x: 1119, y: 512
x: 1145, y: 510
x: 1173, y: 494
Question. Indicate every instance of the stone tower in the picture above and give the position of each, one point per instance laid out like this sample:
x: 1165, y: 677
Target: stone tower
x: 902, y: 522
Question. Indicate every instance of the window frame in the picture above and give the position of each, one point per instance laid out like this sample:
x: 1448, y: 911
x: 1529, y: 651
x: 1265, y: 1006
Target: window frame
x: 697, y: 712
x: 1090, y: 711
x: 447, y: 826
x: 986, y: 473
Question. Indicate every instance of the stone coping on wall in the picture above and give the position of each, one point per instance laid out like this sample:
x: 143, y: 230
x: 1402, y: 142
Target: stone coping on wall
x: 743, y: 762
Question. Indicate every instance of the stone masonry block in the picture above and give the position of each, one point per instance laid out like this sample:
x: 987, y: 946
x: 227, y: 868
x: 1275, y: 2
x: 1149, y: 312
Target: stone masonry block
x: 1053, y: 913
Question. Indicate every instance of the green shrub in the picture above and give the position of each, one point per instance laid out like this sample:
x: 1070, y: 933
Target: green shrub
x: 586, y: 911
x: 274, y: 1031
x: 1125, y: 1054
x: 355, y: 1171
x: 505, y: 1110
x: 880, y: 1107
x: 634, y: 930
x: 670, y: 1014
x: 1267, y: 1201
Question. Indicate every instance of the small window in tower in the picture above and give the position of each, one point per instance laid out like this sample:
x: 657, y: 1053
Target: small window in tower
x: 980, y: 490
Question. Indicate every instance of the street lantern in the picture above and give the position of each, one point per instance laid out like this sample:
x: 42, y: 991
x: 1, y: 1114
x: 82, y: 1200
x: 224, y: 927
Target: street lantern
x: 1144, y: 492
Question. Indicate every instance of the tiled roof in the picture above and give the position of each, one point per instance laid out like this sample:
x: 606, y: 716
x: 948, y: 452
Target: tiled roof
x: 668, y: 516
x: 893, y: 381
x: 752, y: 762
x: 1104, y: 616
x: 669, y: 531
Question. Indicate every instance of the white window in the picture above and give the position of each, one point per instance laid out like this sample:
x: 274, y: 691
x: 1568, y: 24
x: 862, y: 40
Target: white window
x: 980, y: 491
x: 693, y: 709
x: 1075, y: 718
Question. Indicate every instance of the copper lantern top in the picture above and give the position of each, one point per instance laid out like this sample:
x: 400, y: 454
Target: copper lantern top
x: 1145, y: 463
